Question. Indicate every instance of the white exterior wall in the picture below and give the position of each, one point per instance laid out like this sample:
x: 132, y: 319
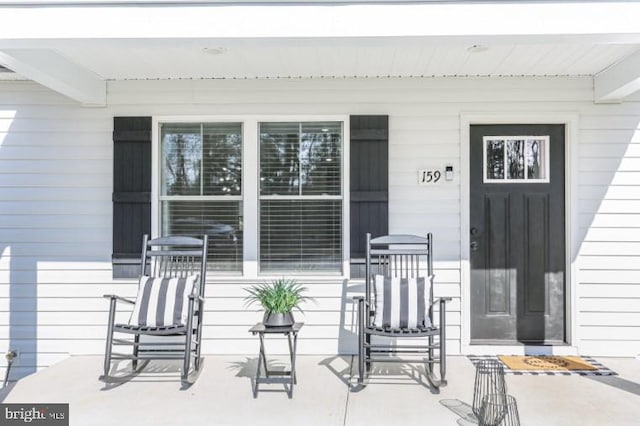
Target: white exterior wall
x: 608, y: 302
x: 56, y: 185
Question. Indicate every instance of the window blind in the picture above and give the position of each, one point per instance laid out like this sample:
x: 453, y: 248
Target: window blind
x: 220, y: 220
x: 300, y: 235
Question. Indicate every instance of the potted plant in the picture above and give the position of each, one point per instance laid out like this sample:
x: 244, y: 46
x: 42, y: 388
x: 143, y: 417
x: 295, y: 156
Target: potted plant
x: 278, y: 298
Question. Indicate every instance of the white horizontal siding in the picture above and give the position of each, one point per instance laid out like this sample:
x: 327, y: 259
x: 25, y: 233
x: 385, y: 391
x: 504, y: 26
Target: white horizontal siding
x: 604, y: 263
x: 55, y: 209
x: 607, y: 310
x: 55, y: 203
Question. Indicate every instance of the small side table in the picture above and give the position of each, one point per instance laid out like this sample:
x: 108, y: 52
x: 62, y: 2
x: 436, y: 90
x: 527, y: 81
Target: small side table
x: 290, y: 375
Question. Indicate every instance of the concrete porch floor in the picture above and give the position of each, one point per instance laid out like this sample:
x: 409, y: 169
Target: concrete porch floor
x: 325, y: 395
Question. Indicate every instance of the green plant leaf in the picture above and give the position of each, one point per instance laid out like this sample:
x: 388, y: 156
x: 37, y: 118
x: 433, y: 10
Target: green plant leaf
x: 278, y: 296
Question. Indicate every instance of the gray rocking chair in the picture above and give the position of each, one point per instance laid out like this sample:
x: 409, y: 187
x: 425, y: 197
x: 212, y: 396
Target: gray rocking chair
x: 399, y: 304
x: 168, y: 310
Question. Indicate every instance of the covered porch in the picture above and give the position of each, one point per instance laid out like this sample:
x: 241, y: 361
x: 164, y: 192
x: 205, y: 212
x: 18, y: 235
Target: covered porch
x: 433, y: 68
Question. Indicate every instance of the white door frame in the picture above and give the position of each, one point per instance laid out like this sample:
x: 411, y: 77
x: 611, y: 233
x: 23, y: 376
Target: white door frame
x: 571, y: 121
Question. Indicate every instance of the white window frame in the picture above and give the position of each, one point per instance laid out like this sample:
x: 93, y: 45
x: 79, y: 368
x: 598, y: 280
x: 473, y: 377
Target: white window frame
x: 250, y: 188
x: 156, y: 175
x: 343, y: 192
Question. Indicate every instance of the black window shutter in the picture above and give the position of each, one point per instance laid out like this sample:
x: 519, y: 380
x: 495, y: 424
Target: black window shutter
x: 369, y: 181
x: 131, y: 192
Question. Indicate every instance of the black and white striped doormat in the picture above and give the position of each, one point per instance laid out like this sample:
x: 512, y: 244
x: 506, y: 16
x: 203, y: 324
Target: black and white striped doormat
x: 601, y: 369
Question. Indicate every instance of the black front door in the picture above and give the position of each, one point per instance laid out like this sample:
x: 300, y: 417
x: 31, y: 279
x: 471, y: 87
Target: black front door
x: 517, y: 226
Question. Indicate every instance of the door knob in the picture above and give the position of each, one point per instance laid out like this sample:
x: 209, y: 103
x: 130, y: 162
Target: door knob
x: 474, y: 246
x: 474, y: 231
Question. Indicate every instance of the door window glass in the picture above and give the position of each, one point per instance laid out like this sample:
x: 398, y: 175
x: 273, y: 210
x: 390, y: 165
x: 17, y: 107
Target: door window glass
x: 513, y: 159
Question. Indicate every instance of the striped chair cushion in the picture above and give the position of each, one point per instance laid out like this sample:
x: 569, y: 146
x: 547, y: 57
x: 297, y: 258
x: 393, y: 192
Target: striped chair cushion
x: 401, y: 302
x: 162, y: 301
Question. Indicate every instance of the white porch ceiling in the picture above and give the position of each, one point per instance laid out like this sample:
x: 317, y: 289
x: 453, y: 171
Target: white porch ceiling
x: 75, y: 49
x: 322, y: 58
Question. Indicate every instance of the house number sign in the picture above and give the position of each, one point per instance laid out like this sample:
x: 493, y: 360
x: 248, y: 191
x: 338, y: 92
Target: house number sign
x: 435, y: 175
x: 428, y: 176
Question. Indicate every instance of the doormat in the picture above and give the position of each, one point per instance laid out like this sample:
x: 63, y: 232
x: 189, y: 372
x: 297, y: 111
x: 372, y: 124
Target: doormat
x: 548, y: 365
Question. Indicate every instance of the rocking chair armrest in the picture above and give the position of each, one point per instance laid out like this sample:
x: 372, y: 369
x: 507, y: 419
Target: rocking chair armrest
x: 362, y: 299
x: 364, y: 306
x: 118, y: 298
x: 441, y: 300
x: 196, y: 297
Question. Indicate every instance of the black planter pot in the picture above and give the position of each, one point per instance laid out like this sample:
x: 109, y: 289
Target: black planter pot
x: 278, y: 320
